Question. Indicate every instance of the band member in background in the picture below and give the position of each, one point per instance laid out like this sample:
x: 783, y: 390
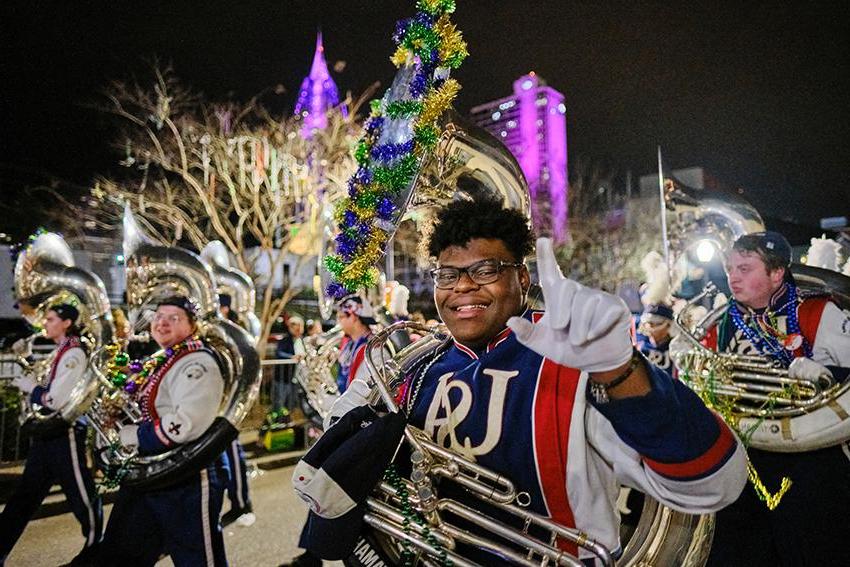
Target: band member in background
x: 241, y: 509
x: 655, y: 333
x: 180, y: 401
x: 56, y: 456
x: 224, y: 302
x: 354, y: 314
x: 559, y: 402
x: 810, y: 335
x: 290, y: 346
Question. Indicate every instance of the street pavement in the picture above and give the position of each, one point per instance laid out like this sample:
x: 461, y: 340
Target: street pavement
x: 53, y: 541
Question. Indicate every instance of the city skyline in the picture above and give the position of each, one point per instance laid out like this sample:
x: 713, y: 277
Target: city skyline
x: 755, y: 95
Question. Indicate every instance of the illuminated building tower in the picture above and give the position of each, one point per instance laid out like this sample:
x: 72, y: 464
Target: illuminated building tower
x: 318, y: 93
x: 532, y: 124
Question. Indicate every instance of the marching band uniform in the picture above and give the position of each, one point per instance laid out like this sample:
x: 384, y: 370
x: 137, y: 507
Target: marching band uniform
x: 654, y: 332
x: 571, y: 455
x: 656, y: 353
x: 354, y: 314
x: 802, y: 529
x: 351, y: 354
x: 237, y: 486
x: 808, y: 336
x: 56, y: 456
x: 824, y: 326
x: 180, y: 401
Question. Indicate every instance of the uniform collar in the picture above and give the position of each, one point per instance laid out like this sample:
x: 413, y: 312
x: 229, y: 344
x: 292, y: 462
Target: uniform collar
x: 776, y: 302
x: 498, y: 339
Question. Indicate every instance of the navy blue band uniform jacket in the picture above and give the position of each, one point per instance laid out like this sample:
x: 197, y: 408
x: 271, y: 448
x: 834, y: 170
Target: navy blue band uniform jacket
x: 533, y: 420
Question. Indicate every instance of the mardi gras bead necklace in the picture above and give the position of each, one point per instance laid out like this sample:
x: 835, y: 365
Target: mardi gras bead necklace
x: 766, y: 337
x: 133, y: 376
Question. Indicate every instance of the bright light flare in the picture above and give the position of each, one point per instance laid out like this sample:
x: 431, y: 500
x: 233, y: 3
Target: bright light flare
x: 705, y: 251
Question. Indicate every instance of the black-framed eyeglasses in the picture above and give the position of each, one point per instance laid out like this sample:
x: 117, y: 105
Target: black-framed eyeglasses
x: 482, y: 273
x: 173, y: 318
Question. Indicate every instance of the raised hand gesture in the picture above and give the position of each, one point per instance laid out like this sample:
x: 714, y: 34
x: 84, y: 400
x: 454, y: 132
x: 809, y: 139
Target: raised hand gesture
x: 583, y: 328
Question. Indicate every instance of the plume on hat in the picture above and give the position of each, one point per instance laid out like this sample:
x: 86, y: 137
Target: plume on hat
x: 398, y: 300
x: 657, y: 279
x: 824, y: 253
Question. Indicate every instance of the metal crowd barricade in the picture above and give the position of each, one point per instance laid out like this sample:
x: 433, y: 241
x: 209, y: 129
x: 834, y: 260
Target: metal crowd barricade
x: 278, y: 388
x: 13, y: 445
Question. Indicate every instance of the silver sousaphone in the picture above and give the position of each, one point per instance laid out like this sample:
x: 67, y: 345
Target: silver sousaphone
x: 153, y: 273
x: 781, y: 413
x: 46, y: 275
x: 235, y: 283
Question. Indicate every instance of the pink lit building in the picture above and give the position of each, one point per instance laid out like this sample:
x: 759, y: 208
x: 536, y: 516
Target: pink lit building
x: 318, y: 93
x: 532, y: 124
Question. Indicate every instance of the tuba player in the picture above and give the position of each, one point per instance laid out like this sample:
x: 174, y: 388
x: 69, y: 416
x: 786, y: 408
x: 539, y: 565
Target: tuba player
x: 559, y: 401
x: 179, y: 402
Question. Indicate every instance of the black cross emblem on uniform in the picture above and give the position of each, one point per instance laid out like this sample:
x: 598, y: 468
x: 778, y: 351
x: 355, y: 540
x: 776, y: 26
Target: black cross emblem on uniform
x: 174, y: 428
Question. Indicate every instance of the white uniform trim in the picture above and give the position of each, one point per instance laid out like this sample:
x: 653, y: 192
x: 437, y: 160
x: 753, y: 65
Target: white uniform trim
x: 534, y: 444
x: 81, y: 487
x: 237, y: 470
x: 599, y: 462
x: 205, y: 518
x: 189, y: 397
x: 832, y: 345
x: 69, y: 372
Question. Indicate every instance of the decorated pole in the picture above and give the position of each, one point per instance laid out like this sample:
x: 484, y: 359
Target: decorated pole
x: 400, y: 132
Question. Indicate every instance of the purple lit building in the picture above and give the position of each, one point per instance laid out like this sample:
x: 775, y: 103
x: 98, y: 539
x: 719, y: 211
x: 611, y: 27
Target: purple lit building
x: 532, y: 123
x: 318, y: 93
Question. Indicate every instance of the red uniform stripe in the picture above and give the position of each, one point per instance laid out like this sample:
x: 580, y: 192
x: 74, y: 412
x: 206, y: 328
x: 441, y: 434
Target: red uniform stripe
x: 355, y: 364
x: 160, y: 433
x: 553, y: 408
x: 809, y: 313
x: 702, y: 464
x: 466, y: 350
x: 497, y: 340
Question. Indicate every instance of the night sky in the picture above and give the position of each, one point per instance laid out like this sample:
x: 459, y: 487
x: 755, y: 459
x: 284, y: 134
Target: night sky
x: 756, y: 93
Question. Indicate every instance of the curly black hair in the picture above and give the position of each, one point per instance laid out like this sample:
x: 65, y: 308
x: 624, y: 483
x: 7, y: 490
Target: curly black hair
x: 460, y: 221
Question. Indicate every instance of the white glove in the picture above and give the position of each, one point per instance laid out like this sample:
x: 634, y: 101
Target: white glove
x: 583, y: 328
x: 807, y: 369
x: 129, y: 435
x: 22, y: 347
x: 25, y: 384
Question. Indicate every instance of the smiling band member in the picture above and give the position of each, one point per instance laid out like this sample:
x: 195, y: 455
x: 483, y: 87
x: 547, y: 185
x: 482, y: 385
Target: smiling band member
x: 179, y: 401
x: 559, y: 402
